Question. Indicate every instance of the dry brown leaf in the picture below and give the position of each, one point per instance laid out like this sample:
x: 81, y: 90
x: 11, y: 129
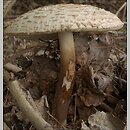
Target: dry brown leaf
x: 41, y: 76
x: 103, y: 83
x: 85, y: 112
x: 87, y: 90
x: 92, y: 48
x: 105, y: 121
x: 41, y: 107
x: 90, y: 98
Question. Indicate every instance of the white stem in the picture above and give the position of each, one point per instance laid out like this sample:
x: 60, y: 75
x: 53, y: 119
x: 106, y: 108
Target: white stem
x: 65, y: 87
x: 67, y: 49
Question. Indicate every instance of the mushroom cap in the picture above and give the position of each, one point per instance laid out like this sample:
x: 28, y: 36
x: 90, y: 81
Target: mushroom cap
x: 63, y: 17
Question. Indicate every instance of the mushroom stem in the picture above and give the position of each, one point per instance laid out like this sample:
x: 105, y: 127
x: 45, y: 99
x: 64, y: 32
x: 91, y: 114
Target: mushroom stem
x: 65, y: 87
x: 67, y: 49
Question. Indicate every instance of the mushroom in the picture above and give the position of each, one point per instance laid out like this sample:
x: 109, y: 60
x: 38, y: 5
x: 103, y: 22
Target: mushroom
x: 60, y: 21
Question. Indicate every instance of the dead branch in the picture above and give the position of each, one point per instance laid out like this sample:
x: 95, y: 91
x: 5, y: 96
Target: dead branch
x: 19, y: 96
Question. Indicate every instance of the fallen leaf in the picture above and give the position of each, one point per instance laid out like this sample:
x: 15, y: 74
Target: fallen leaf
x: 105, y: 121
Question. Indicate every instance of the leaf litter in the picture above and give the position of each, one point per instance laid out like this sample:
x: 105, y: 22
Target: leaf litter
x: 99, y: 95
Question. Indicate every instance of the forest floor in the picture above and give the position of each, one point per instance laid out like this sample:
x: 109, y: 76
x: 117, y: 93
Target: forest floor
x: 40, y: 66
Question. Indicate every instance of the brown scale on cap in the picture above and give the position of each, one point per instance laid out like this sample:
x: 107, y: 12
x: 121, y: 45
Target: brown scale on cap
x: 64, y: 17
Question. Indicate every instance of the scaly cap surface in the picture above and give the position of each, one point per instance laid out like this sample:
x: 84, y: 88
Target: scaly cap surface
x: 63, y: 17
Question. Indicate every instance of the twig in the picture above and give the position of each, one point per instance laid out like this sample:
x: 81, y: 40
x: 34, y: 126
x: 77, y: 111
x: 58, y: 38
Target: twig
x: 42, y: 107
x: 31, y: 101
x: 19, y: 96
x: 119, y: 10
x: 124, y: 13
x: 111, y: 98
x: 55, y: 120
x: 120, y: 79
x: 75, y: 107
x: 7, y: 6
